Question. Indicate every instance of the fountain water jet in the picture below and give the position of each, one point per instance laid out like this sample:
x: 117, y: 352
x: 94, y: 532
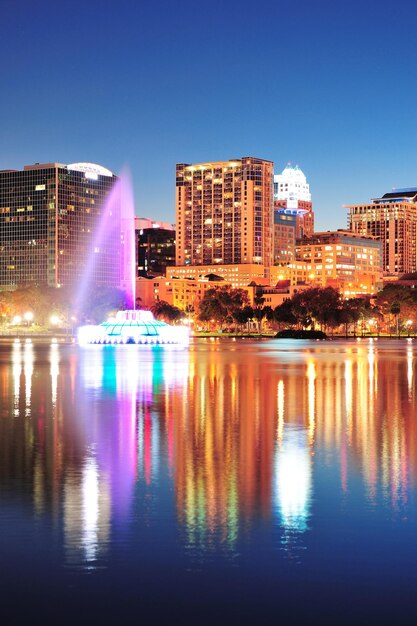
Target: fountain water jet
x: 129, y: 326
x: 115, y: 231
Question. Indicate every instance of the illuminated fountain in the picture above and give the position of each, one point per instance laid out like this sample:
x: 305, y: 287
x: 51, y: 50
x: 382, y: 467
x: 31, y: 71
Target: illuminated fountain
x: 117, y: 214
x: 139, y: 327
x: 130, y: 326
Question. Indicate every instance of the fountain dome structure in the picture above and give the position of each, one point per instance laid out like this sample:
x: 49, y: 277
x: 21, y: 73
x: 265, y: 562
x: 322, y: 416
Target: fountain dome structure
x: 138, y: 327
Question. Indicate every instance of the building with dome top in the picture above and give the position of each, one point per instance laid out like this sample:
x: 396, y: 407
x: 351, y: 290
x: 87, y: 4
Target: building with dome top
x: 292, y: 186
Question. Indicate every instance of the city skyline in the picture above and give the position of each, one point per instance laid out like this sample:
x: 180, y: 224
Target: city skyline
x: 152, y: 86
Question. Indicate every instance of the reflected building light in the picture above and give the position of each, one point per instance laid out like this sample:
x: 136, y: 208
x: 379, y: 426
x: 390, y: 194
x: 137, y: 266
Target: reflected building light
x: 28, y: 371
x: 347, y: 435
x: 280, y: 409
x: 396, y: 468
x: 233, y: 512
x: 293, y: 481
x: 348, y: 397
x: 233, y: 385
x: 410, y: 370
x: 54, y: 370
x: 17, y: 370
x: 202, y: 401
x: 371, y: 367
x: 311, y: 376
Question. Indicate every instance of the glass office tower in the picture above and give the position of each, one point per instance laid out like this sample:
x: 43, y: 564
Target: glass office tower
x: 56, y: 223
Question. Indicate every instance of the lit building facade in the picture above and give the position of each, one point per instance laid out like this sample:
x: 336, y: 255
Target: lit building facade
x: 155, y: 246
x: 49, y: 216
x: 236, y: 275
x: 349, y: 262
x: 393, y: 220
x: 285, y: 228
x: 292, y: 197
x: 224, y: 212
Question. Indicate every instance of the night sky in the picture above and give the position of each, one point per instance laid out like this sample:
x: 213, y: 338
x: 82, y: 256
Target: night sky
x: 330, y: 86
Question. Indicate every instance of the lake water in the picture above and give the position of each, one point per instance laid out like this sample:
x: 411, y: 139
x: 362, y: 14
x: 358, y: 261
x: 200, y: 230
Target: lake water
x: 233, y: 481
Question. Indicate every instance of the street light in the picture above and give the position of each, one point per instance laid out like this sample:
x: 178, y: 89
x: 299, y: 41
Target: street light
x: 54, y: 319
x: 17, y: 319
x: 408, y: 324
x: 28, y: 317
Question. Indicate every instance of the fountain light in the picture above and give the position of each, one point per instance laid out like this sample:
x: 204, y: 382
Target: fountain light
x: 137, y: 327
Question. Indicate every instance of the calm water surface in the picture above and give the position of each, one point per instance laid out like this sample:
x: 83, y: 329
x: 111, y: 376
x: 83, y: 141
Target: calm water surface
x: 234, y: 481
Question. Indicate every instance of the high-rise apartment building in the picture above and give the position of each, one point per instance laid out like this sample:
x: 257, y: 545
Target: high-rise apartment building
x: 50, y: 215
x: 292, y: 197
x: 393, y: 220
x: 224, y: 212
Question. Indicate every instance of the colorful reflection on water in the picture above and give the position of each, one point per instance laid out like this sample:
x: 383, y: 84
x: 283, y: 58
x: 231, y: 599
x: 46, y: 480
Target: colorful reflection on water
x: 282, y: 459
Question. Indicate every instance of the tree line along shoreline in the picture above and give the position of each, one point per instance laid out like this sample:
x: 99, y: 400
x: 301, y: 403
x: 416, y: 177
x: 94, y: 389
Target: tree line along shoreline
x: 225, y: 311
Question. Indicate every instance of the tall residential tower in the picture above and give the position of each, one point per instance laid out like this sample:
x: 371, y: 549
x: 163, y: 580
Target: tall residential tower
x: 224, y: 212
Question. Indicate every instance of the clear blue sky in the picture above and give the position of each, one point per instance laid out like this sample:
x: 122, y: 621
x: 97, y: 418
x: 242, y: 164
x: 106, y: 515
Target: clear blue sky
x: 331, y: 86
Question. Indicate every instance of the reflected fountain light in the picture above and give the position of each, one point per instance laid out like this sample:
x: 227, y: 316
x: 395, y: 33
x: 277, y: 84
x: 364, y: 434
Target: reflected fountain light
x: 127, y: 381
x: 92, y: 369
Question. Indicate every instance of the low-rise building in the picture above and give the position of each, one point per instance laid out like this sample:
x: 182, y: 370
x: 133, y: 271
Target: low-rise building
x: 236, y: 275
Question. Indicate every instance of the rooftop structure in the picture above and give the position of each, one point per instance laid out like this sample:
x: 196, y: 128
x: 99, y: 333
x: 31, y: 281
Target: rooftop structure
x: 291, y: 185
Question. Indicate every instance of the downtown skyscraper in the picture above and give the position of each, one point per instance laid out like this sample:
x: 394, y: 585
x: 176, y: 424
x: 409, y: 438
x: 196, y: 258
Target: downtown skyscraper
x: 49, y: 217
x: 224, y: 212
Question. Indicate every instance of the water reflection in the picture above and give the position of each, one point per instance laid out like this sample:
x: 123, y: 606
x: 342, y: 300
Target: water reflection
x: 293, y: 479
x: 94, y: 436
